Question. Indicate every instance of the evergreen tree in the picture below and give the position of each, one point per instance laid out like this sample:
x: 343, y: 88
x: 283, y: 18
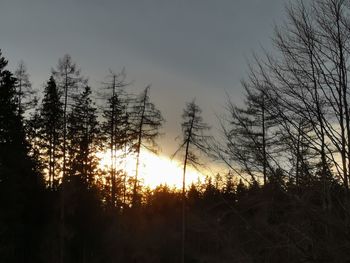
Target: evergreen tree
x: 68, y: 78
x: 51, y: 136
x: 83, y: 145
x: 19, y: 180
x: 228, y: 188
x: 84, y: 139
x: 115, y: 129
x: 33, y: 127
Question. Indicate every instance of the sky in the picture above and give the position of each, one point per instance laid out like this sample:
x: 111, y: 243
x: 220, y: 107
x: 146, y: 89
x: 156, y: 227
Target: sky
x: 184, y: 48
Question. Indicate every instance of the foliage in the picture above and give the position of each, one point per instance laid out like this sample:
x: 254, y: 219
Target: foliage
x: 293, y: 132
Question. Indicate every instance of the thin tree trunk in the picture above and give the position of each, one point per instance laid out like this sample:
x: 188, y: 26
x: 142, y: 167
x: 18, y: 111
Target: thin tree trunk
x: 264, y: 140
x: 183, y: 237
x: 112, y: 148
x: 124, y: 181
x: 298, y: 155
x: 53, y: 162
x: 343, y: 86
x: 139, y: 147
x: 62, y: 214
x: 20, y: 97
x: 184, y: 204
x: 50, y: 163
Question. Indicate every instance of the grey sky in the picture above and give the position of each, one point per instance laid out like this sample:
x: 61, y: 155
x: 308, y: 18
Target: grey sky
x: 184, y: 48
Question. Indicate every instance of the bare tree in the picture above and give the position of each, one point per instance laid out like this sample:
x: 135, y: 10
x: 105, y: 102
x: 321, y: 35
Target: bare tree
x: 194, y: 140
x: 25, y: 92
x: 145, y: 121
x: 309, y: 78
x: 251, y: 136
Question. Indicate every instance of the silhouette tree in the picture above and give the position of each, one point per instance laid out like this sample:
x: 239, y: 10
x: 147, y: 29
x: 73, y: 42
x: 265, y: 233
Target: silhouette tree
x: 228, y: 184
x: 24, y: 89
x: 19, y: 179
x: 302, y: 154
x: 194, y: 139
x: 116, y: 127
x: 83, y: 171
x: 293, y: 131
x: 145, y: 121
x: 68, y: 79
x: 33, y: 134
x: 309, y: 81
x: 51, y: 135
x: 250, y: 136
x: 84, y: 139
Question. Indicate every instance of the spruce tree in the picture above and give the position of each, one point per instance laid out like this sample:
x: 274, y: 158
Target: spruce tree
x: 115, y: 129
x: 19, y: 180
x: 68, y: 79
x: 83, y: 145
x: 84, y: 139
x: 67, y: 76
x: 51, y: 132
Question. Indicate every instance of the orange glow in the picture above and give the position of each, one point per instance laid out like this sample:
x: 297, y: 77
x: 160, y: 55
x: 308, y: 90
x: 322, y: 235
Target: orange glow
x: 154, y: 170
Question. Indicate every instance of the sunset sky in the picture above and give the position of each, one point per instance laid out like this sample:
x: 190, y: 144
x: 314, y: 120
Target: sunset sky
x: 229, y: 142
x: 185, y: 49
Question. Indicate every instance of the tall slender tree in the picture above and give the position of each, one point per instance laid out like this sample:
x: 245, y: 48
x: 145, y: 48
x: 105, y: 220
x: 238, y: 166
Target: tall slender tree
x: 84, y: 139
x: 145, y: 121
x: 24, y: 90
x: 194, y: 140
x: 250, y: 136
x: 51, y: 136
x: 115, y: 127
x: 68, y: 79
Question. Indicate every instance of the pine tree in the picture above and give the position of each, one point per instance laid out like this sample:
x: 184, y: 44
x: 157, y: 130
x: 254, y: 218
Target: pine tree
x: 84, y: 139
x: 83, y: 146
x: 228, y: 186
x: 68, y: 78
x: 33, y: 127
x: 115, y: 129
x: 19, y: 179
x: 51, y: 136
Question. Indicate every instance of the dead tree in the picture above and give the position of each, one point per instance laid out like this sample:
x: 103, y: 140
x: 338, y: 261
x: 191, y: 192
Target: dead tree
x: 145, y: 121
x: 194, y: 140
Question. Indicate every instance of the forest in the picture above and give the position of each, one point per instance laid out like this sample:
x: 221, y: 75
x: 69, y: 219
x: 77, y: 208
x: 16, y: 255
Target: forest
x: 286, y: 150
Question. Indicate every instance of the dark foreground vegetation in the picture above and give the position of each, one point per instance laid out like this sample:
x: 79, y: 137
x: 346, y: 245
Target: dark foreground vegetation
x: 285, y: 196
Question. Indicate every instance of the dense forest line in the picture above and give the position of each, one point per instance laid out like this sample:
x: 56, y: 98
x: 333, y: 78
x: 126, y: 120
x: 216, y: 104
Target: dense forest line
x: 284, y: 197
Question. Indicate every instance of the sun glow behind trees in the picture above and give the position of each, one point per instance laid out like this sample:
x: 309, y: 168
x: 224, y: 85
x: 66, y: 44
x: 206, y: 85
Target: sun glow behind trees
x: 154, y: 169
